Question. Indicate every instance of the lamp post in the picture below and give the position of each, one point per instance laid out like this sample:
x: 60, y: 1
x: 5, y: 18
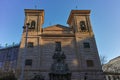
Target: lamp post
x: 25, y: 52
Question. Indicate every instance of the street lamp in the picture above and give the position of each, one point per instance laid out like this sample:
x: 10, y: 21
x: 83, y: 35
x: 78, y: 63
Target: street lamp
x: 25, y: 52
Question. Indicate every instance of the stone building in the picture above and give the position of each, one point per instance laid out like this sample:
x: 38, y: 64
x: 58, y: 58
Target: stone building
x: 112, y: 66
x: 112, y: 69
x: 58, y: 50
x: 8, y: 58
x: 112, y: 76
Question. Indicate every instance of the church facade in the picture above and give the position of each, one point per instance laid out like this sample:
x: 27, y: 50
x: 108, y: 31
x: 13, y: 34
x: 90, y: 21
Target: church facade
x: 59, y: 52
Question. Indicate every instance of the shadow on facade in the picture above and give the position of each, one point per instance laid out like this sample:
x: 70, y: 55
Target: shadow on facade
x: 80, y: 55
x: 8, y: 58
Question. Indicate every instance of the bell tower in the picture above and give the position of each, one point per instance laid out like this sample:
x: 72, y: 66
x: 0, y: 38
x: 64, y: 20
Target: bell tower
x: 79, y: 21
x: 35, y: 18
x: 29, y: 51
x: 86, y: 49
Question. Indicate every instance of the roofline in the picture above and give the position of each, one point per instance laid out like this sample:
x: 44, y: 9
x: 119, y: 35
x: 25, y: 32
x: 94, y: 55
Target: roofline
x: 33, y: 10
x: 9, y: 47
x: 38, y: 11
x: 80, y: 12
x: 57, y: 25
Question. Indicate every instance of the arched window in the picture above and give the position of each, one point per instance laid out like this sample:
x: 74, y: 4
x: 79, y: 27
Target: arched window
x: 82, y: 25
x: 32, y: 24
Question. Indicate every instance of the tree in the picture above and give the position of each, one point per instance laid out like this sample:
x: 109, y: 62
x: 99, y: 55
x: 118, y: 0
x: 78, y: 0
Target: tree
x: 103, y: 59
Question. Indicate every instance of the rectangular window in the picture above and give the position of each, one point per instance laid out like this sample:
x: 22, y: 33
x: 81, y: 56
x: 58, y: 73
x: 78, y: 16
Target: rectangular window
x: 57, y: 46
x: 118, y: 77
x: 90, y: 63
x: 109, y: 78
x: 86, y: 45
x: 30, y: 44
x: 28, y: 62
x: 114, y: 78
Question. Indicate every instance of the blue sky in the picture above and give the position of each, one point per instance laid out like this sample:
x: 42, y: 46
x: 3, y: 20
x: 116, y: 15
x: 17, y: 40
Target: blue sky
x: 105, y: 20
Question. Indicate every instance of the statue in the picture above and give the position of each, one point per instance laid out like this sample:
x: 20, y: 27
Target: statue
x: 59, y: 69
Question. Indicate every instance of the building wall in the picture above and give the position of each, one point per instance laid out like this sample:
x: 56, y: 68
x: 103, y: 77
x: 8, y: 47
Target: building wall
x: 8, y: 58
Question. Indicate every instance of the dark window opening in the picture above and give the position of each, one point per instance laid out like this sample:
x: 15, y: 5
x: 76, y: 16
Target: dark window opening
x: 82, y: 25
x: 86, y: 45
x: 58, y: 46
x: 28, y: 62
x: 90, y: 63
x: 32, y: 25
x: 118, y: 77
x: 30, y: 44
x: 114, y: 78
x: 109, y: 78
x: 85, y: 77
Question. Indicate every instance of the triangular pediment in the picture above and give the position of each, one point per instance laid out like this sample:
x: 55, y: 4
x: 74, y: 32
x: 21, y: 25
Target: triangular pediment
x: 57, y: 27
